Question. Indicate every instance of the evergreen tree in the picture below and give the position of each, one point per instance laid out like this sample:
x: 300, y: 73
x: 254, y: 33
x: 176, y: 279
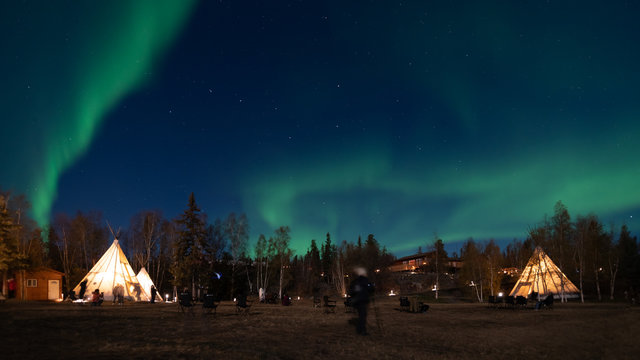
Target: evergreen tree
x: 439, y: 262
x: 314, y: 262
x: 627, y: 248
x: 472, y: 273
x: 328, y: 255
x: 188, y: 258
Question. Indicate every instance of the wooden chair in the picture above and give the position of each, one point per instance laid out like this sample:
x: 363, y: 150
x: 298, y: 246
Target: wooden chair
x: 328, y: 304
x: 404, y: 303
x: 243, y: 305
x: 185, y: 302
x: 210, y: 304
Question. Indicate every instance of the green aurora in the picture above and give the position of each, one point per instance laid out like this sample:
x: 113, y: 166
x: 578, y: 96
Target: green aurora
x: 108, y: 51
x: 397, y: 119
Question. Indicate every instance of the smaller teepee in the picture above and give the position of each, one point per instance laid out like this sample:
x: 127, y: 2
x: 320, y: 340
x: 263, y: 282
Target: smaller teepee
x: 147, y: 283
x: 544, y: 277
x: 111, y: 271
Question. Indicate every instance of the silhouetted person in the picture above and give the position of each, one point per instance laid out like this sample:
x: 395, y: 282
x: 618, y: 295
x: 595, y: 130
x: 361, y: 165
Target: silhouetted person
x: 83, y: 289
x: 286, y: 300
x: 360, y: 291
x: 11, y: 284
x: 242, y: 300
x: 65, y: 292
x: 153, y: 294
x: 118, y: 294
x: 137, y: 290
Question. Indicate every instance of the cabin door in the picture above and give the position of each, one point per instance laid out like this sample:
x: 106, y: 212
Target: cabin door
x: 53, y: 290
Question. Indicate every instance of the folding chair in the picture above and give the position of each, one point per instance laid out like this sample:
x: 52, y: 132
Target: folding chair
x: 185, y: 302
x: 209, y: 304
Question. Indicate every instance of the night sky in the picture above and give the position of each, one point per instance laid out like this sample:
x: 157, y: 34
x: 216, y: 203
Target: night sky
x: 401, y: 119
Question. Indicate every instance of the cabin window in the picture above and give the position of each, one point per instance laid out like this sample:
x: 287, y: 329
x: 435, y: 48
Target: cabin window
x: 32, y: 282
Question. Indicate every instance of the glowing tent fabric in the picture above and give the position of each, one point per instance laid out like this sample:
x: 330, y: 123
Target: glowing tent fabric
x: 147, y: 283
x: 112, y: 270
x: 544, y: 277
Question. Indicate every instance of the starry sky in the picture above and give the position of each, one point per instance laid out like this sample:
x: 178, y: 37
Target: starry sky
x: 401, y: 119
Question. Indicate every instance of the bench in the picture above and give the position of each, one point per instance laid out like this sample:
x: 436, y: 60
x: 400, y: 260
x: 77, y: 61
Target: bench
x: 328, y: 304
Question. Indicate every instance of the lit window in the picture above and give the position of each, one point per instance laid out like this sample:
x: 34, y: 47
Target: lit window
x: 32, y: 283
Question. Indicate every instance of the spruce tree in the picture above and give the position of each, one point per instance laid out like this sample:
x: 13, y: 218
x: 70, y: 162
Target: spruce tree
x: 188, y: 259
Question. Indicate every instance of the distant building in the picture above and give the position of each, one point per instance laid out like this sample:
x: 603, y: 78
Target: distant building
x: 38, y: 284
x: 511, y: 271
x: 420, y: 261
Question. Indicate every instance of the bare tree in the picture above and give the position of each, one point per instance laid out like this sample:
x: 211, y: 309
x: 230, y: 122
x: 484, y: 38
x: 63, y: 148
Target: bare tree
x: 582, y: 231
x: 237, y: 231
x: 283, y: 253
x: 493, y: 259
x: 144, y: 233
x: 560, y: 238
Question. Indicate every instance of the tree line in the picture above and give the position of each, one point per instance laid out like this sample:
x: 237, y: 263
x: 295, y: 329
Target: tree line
x: 186, y: 252
x: 602, y: 261
x: 192, y: 252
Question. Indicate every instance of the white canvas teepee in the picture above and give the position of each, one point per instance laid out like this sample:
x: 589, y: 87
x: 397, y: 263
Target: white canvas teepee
x: 544, y: 277
x: 147, y: 283
x: 112, y: 270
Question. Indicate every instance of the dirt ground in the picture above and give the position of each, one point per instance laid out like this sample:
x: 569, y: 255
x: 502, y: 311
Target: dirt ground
x: 34, y: 330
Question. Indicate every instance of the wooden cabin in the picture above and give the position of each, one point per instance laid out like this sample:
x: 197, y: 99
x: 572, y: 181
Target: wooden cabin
x: 39, y: 284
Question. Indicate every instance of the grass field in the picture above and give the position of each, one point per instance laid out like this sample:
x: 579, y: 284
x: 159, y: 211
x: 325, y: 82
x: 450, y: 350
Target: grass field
x: 34, y: 330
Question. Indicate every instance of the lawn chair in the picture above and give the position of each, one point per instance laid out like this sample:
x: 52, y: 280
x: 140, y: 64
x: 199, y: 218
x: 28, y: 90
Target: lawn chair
x: 328, y: 304
x: 185, y: 302
x: 243, y: 305
x: 209, y: 304
x: 510, y: 301
x: 317, y: 302
x: 521, y: 302
x: 404, y: 303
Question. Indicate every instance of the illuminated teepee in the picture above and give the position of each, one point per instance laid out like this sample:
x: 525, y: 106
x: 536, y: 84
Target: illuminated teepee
x: 111, y: 271
x: 544, y: 277
x: 147, y: 283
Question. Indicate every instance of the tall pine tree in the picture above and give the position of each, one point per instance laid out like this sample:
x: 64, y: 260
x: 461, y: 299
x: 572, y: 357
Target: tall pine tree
x: 189, y: 267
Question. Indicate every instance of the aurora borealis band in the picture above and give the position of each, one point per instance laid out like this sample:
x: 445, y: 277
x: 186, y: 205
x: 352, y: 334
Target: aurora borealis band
x: 72, y: 64
x: 401, y: 119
